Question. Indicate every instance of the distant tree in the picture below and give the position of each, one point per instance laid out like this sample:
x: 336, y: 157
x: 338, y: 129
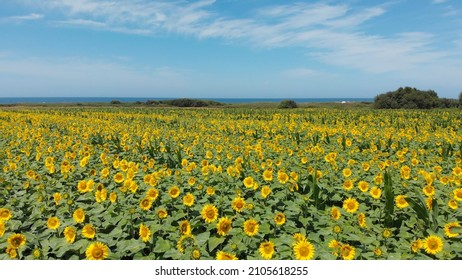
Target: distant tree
x: 116, y: 102
x: 407, y: 98
x: 287, y: 104
x: 460, y: 98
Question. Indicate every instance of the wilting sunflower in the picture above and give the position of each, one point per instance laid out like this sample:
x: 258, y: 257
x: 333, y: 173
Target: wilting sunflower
x: 376, y: 192
x: 224, y: 226
x: 97, y: 251
x: 335, y: 213
x: 401, y: 202
x: 209, y: 213
x: 433, y: 244
x: 188, y: 200
x: 265, y: 191
x: 279, y: 219
x: 144, y: 232
x: 88, y: 231
x: 146, y: 203
x: 347, y: 252
x: 174, y: 192
x: 69, y: 234
x: 79, y: 216
x: 251, y: 227
x: 448, y: 229
x: 53, y: 223
x: 238, y: 204
x: 5, y: 214
x: 225, y: 256
x: 304, y: 250
x: 186, y: 241
x: 266, y: 250
x: 351, y: 205
x: 16, y: 240
x: 185, y: 227
x: 298, y: 237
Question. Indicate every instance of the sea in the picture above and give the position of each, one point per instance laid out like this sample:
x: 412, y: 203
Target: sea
x: 53, y: 100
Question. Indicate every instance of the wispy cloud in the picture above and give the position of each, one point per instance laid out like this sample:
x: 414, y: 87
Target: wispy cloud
x: 333, y: 32
x: 21, y: 18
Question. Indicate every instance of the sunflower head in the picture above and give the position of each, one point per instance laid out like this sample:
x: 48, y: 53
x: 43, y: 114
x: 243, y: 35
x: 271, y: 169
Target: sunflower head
x: 185, y: 227
x: 144, y: 233
x: 433, y: 244
x: 16, y: 240
x: 174, y: 192
x: 449, y: 227
x: 279, y: 219
x: 225, y: 256
x: 304, y: 250
x: 224, y: 226
x: 88, y: 231
x: 53, y: 223
x: 335, y: 213
x: 266, y: 250
x: 238, y: 204
x: 69, y: 234
x: 97, y: 251
x: 209, y: 213
x: 146, y: 203
x: 251, y: 227
x: 79, y: 215
x: 265, y: 191
x: 348, y: 252
x: 351, y: 205
x: 401, y: 201
x: 188, y: 200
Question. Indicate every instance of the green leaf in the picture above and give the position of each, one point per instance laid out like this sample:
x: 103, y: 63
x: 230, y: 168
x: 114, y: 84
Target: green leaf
x: 162, y: 246
x: 214, y: 242
x: 202, y: 238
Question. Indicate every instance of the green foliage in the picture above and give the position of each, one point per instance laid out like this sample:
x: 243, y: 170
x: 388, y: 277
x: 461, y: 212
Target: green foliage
x: 115, y: 102
x: 187, y: 102
x: 412, y: 98
x: 287, y: 104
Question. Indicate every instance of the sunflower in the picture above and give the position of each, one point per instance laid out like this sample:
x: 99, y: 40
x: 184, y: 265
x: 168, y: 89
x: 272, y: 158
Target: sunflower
x: 348, y: 252
x: 2, y: 228
x: 225, y: 256
x: 238, y: 204
x: 453, y: 204
x: 188, y: 200
x: 152, y: 193
x: 251, y: 227
x: 363, y: 186
x: 5, y: 214
x: 448, y: 229
x: 57, y: 198
x: 16, y: 240
x: 146, y: 203
x: 174, y: 192
x: 209, y: 213
x: 224, y: 226
x: 433, y: 244
x: 362, y: 220
x: 185, y: 241
x: 376, y: 192
x: 416, y: 245
x: 268, y: 175
x: 191, y: 181
x: 457, y: 194
x: 97, y: 251
x: 210, y: 191
x: 248, y: 182
x: 429, y: 190
x: 348, y: 185
x: 280, y: 219
x: 351, y: 205
x: 118, y: 178
x: 162, y: 213
x: 346, y: 172
x: 88, y: 231
x: 283, y: 177
x: 79, y: 215
x: 185, y: 227
x: 298, y: 237
x: 53, y: 223
x: 11, y: 252
x: 334, y: 244
x: 69, y: 234
x: 144, y: 232
x: 82, y: 186
x: 196, y: 254
x: 113, y: 197
x: 266, y: 250
x: 335, y: 213
x: 265, y: 191
x: 304, y: 250
x: 401, y: 202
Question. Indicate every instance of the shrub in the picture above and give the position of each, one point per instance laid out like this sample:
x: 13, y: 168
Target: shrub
x: 287, y: 104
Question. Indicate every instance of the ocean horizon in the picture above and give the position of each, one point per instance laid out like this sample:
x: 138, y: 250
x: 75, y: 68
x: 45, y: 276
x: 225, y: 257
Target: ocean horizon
x: 51, y: 100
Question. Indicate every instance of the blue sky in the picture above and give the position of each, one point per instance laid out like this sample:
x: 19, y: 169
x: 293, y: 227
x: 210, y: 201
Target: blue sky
x: 229, y: 48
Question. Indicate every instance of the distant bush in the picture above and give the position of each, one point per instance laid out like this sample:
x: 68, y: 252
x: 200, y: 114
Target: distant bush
x: 187, y: 102
x: 116, y: 102
x: 412, y: 98
x: 152, y: 102
x: 287, y: 104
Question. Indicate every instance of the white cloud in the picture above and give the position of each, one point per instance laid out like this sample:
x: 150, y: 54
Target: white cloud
x: 22, y: 18
x: 333, y: 31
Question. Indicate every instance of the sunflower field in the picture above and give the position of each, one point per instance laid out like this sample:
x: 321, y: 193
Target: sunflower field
x: 129, y: 183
